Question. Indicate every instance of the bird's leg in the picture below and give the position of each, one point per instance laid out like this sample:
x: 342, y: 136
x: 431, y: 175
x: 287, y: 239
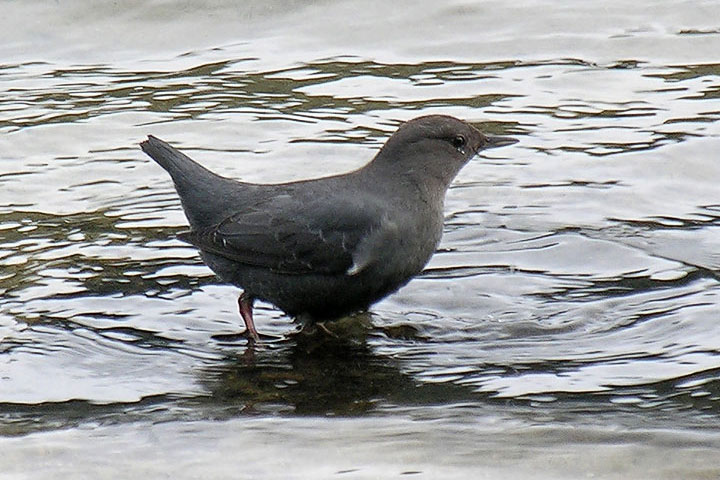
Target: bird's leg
x: 245, y: 304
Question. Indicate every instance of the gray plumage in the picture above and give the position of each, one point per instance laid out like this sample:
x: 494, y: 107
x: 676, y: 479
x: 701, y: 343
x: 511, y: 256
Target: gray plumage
x: 329, y: 246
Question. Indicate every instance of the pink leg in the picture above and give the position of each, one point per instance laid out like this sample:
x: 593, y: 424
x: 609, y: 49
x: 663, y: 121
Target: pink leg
x: 245, y: 304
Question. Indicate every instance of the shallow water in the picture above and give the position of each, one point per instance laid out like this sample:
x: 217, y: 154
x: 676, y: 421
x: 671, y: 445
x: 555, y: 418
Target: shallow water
x: 566, y: 327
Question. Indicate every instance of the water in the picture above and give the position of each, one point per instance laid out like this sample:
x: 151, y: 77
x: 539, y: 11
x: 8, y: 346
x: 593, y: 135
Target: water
x: 567, y: 326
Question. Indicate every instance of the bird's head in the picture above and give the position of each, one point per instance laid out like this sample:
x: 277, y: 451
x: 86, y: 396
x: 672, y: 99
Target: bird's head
x: 436, y: 146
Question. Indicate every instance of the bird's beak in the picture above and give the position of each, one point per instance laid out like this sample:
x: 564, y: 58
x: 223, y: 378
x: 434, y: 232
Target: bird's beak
x: 495, y: 141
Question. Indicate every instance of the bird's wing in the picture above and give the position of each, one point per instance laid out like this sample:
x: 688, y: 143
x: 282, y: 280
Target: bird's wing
x: 290, y: 237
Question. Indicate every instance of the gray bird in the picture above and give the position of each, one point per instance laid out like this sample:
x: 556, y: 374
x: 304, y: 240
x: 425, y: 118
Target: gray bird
x: 331, y: 246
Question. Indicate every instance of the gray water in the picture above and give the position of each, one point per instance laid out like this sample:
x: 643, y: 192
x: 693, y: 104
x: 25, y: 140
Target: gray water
x: 567, y: 327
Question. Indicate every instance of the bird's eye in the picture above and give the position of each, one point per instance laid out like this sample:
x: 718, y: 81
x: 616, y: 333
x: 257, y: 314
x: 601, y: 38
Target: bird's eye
x: 458, y: 141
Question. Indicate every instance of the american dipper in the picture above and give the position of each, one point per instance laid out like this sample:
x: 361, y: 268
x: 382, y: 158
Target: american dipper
x: 331, y: 246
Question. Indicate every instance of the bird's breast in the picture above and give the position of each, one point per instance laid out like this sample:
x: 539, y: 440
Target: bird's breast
x: 414, y: 238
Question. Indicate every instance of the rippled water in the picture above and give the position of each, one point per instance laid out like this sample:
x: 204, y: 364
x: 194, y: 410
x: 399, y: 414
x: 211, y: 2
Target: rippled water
x: 567, y: 326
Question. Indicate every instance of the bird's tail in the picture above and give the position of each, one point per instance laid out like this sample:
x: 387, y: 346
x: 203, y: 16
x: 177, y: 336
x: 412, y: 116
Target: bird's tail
x: 185, y: 172
x: 205, y: 195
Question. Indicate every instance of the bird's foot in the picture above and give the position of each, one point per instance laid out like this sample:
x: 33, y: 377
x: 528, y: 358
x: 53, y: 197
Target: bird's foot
x: 324, y: 328
x: 245, y: 305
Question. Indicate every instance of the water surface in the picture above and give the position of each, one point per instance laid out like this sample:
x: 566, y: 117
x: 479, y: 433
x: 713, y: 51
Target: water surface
x: 566, y: 327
